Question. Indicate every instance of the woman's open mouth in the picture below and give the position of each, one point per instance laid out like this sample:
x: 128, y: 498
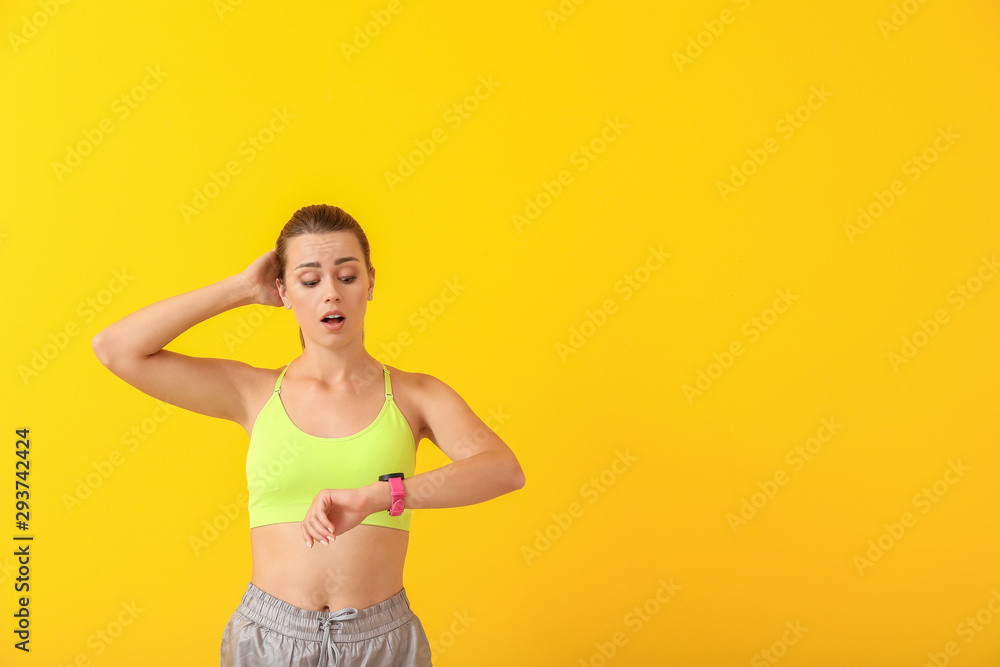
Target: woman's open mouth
x: 333, y: 322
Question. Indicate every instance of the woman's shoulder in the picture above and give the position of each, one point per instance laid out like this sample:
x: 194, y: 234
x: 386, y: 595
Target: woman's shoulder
x: 258, y: 386
x: 443, y: 415
x: 422, y: 390
x: 417, y: 386
x: 414, y: 382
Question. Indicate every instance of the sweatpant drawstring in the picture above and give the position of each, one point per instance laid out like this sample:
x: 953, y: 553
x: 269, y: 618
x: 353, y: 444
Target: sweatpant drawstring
x: 332, y: 652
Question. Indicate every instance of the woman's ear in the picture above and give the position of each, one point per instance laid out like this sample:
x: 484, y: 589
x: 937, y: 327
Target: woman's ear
x: 281, y: 292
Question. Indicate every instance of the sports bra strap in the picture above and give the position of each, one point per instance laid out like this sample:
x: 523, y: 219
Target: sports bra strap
x: 277, y: 384
x: 388, y: 383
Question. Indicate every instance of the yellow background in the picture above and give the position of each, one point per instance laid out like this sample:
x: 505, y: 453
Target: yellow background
x: 553, y: 573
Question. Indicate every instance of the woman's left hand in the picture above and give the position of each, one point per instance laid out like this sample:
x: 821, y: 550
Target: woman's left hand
x: 333, y: 512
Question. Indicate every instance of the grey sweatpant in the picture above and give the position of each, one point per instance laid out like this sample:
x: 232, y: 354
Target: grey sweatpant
x: 266, y: 631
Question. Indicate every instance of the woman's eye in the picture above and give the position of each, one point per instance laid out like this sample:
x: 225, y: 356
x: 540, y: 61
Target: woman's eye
x: 310, y: 283
x: 348, y: 279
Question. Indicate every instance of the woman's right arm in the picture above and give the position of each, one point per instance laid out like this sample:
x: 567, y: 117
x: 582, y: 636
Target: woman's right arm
x: 132, y: 347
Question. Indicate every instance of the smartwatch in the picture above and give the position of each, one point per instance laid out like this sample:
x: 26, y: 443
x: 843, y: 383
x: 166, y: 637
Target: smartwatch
x: 395, y: 480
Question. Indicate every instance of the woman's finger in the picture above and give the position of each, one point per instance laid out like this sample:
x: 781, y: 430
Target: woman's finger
x: 305, y: 535
x: 319, y: 528
x: 311, y: 524
x: 324, y: 520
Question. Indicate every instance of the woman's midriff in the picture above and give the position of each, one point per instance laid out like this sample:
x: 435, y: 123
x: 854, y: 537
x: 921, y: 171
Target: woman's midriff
x: 363, y: 567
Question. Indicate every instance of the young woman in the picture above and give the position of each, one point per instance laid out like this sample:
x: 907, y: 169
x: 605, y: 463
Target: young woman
x: 330, y: 464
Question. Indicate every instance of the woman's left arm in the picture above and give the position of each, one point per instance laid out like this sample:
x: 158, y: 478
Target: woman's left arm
x: 483, y: 467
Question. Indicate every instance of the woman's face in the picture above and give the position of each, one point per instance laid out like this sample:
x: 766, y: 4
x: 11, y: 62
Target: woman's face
x: 326, y: 273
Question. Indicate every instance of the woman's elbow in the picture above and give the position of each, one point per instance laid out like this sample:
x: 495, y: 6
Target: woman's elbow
x: 108, y: 350
x: 100, y: 347
x: 516, y: 477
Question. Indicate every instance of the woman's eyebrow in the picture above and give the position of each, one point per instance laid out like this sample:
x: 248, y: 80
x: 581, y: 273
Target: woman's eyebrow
x: 335, y: 263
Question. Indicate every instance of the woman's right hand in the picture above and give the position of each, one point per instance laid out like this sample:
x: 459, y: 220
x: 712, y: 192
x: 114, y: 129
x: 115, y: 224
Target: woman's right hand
x: 260, y: 278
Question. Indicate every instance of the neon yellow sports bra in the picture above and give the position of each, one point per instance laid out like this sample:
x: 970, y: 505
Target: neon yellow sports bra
x: 287, y: 467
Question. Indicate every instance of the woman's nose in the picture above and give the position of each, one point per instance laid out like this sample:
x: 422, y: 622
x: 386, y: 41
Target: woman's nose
x: 331, y: 291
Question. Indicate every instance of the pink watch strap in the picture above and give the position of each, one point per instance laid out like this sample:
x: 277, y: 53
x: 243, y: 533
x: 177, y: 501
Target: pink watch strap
x: 398, y: 495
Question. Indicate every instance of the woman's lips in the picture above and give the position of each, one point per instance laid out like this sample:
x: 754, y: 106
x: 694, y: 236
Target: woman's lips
x: 334, y: 324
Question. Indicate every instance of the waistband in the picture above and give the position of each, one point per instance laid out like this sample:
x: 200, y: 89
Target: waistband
x: 345, y: 625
